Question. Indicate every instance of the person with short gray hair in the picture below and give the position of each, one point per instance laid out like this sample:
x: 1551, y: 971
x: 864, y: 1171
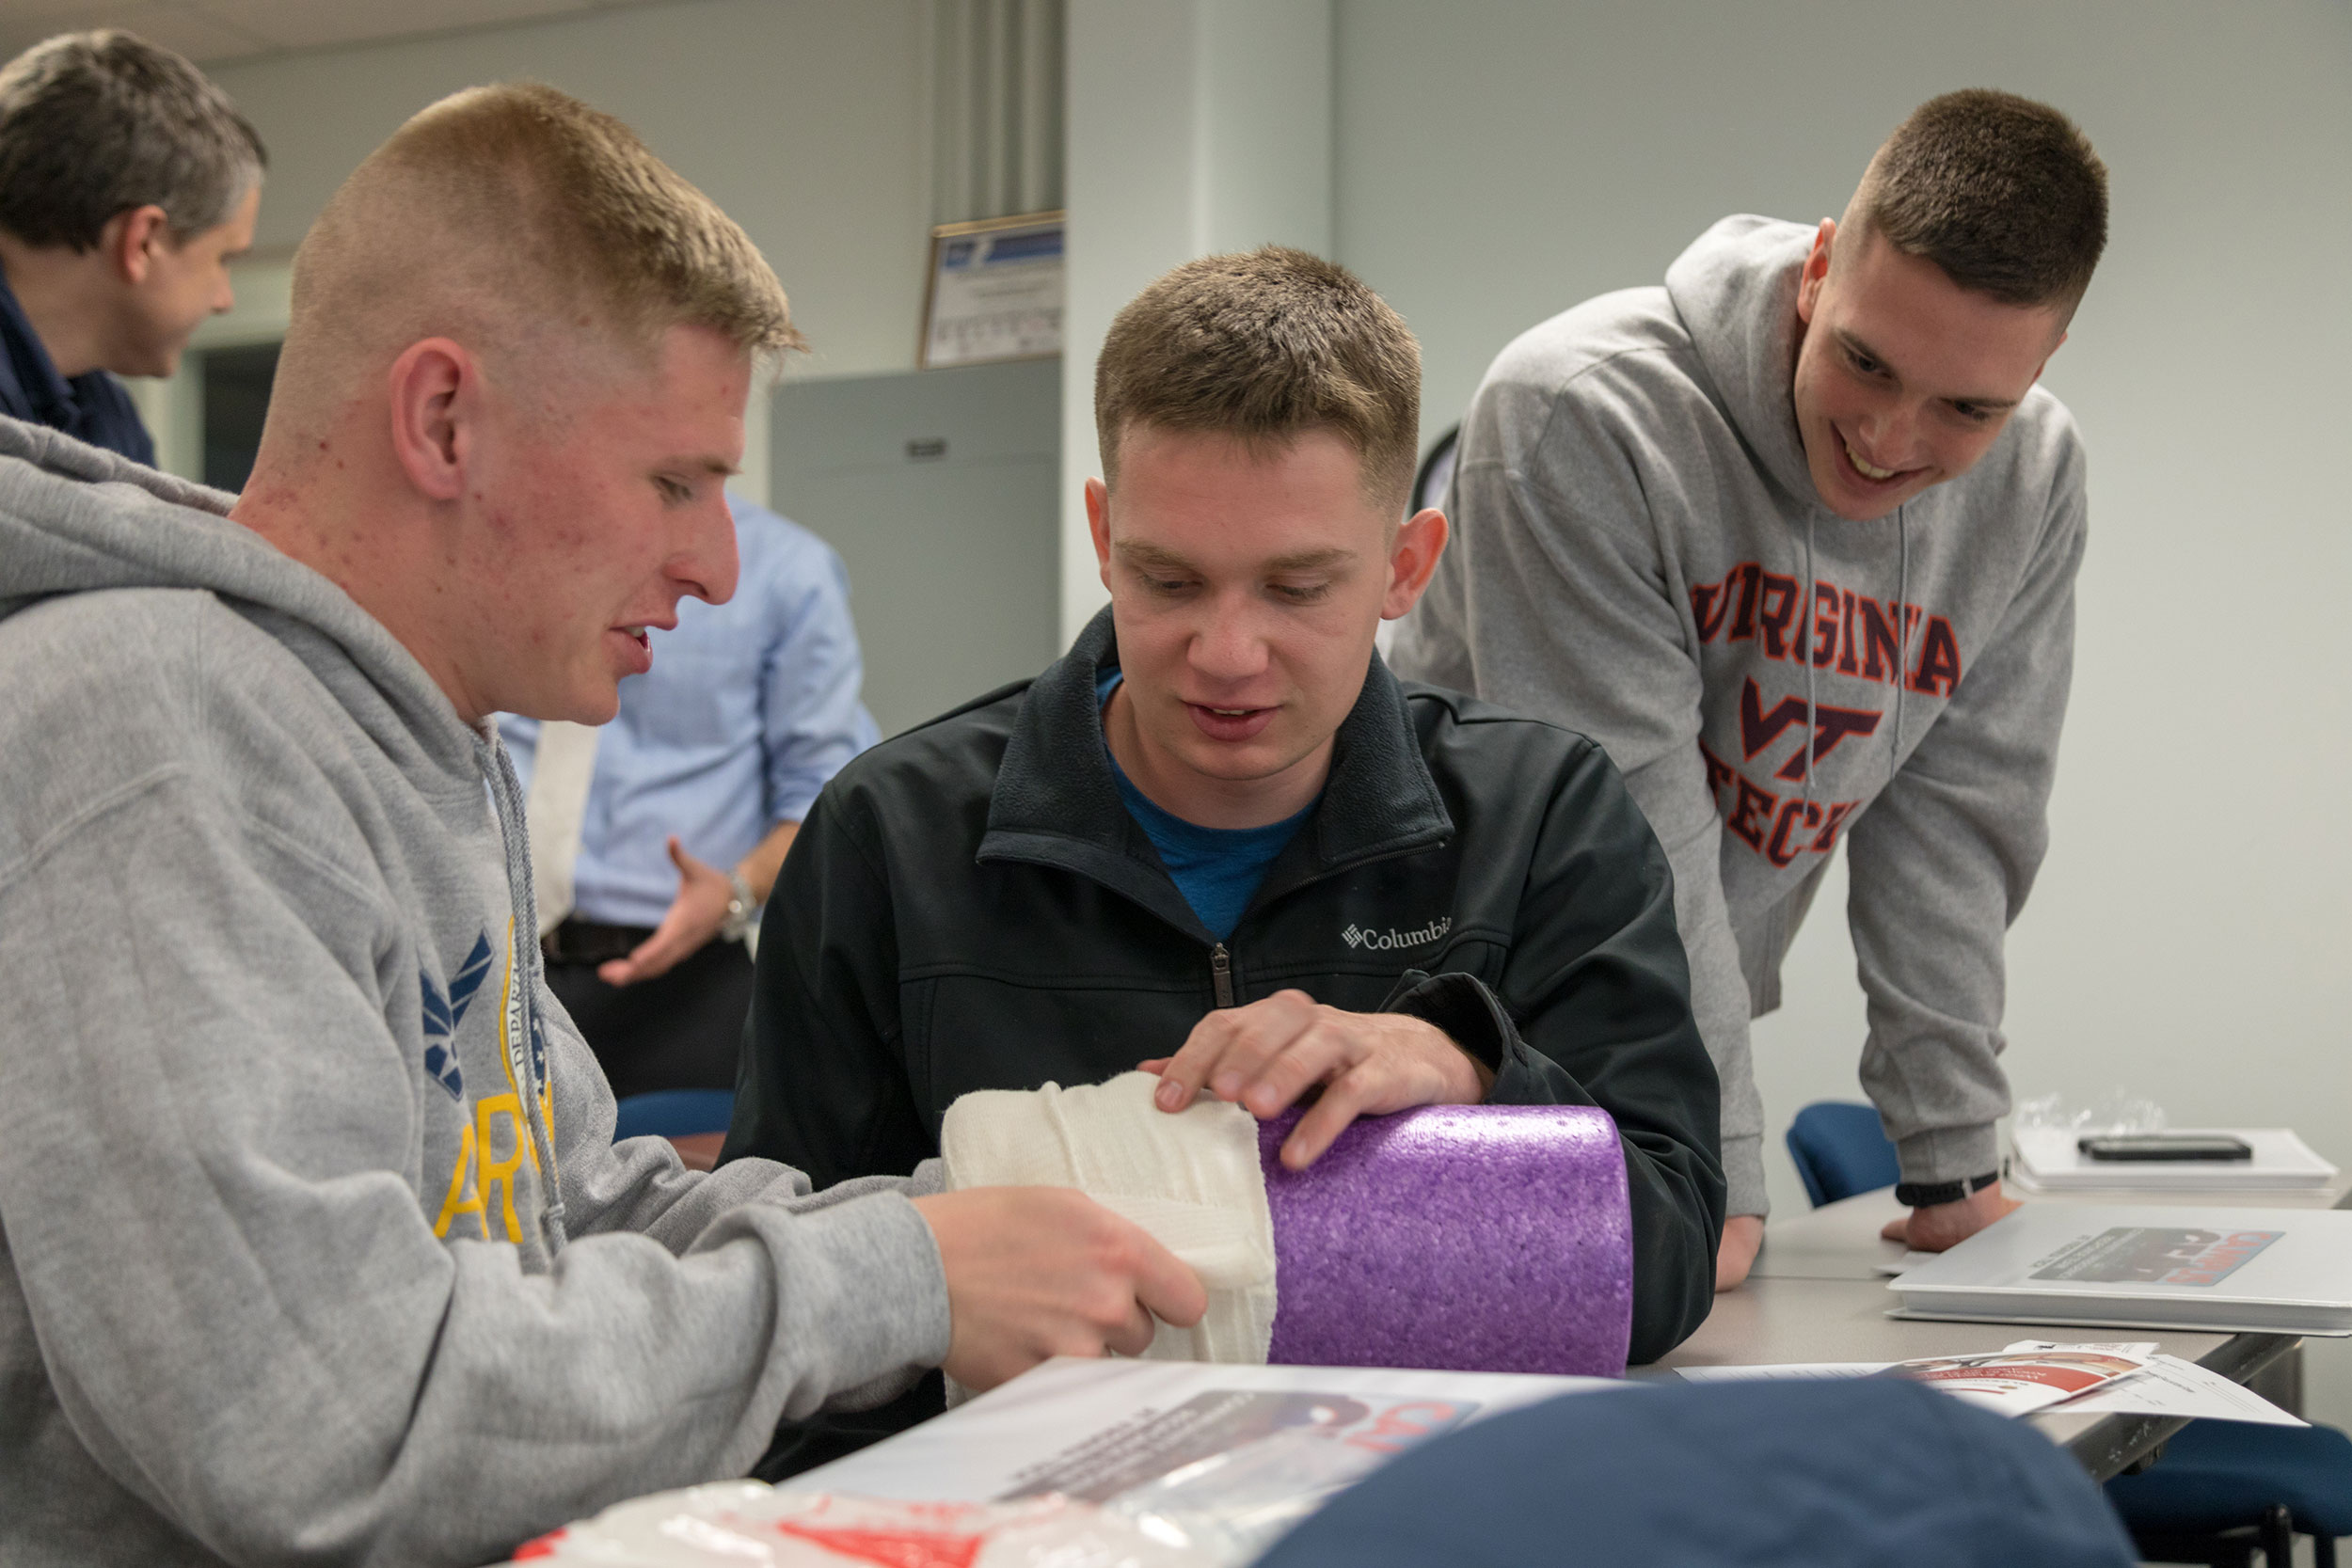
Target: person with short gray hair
x: 128, y: 183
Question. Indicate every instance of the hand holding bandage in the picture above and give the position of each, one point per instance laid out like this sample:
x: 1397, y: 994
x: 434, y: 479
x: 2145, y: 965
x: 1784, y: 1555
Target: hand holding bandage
x: 1473, y: 1237
x: 1035, y: 1272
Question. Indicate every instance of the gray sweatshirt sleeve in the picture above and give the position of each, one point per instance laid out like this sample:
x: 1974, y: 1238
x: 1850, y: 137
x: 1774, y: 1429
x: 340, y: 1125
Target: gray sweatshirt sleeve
x: 1941, y: 864
x: 1573, y: 622
x: 209, y: 1171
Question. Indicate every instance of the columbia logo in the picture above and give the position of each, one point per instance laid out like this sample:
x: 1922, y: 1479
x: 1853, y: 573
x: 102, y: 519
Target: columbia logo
x: 1356, y: 935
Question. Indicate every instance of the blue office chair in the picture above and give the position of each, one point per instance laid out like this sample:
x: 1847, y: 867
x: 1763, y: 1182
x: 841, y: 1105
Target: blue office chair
x: 674, y: 1113
x: 1840, y: 1150
x: 2224, y: 1488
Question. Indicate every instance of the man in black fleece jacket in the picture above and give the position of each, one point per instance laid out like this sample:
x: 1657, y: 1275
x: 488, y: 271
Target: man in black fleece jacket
x: 1218, y: 834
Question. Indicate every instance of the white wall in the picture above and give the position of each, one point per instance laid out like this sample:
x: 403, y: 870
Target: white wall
x: 2191, y: 936
x: 807, y: 120
x: 1196, y: 127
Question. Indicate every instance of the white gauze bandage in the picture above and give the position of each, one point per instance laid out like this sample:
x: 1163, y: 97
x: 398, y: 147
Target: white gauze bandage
x: 1191, y: 1180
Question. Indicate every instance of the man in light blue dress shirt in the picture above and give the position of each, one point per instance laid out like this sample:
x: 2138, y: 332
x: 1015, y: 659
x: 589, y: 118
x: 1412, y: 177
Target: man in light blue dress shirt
x: 699, y: 785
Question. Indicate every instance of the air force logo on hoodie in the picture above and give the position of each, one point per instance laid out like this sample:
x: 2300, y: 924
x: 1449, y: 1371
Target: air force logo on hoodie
x: 443, y: 1014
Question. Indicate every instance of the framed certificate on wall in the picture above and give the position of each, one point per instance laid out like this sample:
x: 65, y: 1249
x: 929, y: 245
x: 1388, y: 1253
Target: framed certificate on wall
x: 995, y: 292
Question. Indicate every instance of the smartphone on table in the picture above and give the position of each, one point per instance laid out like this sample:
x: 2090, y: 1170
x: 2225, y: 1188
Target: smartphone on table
x: 2164, y: 1145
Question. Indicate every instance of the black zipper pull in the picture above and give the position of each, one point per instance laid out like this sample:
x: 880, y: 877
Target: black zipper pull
x: 1221, y: 971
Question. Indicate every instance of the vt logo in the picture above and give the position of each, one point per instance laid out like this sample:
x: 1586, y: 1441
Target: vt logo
x: 442, y: 1015
x: 1760, y: 727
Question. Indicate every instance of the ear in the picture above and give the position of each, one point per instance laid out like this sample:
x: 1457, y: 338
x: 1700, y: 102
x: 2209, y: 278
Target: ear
x: 1099, y: 525
x: 2045, y: 358
x: 1413, y: 560
x: 1816, y: 270
x: 432, y: 390
x: 131, y: 239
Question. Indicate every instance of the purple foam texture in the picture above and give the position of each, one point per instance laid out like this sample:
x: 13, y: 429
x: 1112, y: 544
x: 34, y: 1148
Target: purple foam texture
x: 1468, y: 1238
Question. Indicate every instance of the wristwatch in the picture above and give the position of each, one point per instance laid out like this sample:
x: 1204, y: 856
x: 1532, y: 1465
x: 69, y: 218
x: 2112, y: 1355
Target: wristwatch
x: 741, y: 905
x: 1927, y: 1195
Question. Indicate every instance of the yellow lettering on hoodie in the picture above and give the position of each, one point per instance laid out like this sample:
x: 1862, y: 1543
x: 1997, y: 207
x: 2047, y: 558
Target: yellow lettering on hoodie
x: 464, y: 1196
x: 498, y: 1171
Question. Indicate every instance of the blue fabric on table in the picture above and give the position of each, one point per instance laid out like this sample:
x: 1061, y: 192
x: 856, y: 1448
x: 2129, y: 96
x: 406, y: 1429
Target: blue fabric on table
x: 2221, y: 1475
x: 91, y: 408
x: 751, y: 707
x: 1824, y: 1475
x: 1216, y: 869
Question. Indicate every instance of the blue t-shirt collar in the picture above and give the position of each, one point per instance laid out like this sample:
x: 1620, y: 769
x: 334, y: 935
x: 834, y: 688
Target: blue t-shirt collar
x: 1218, y: 870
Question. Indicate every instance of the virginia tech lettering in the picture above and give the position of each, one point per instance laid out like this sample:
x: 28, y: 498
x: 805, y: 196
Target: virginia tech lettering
x: 1850, y: 633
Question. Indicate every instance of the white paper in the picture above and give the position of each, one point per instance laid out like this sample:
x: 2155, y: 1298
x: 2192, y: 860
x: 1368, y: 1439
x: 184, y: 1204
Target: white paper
x: 2218, y: 1269
x: 2163, y: 1385
x: 1791, y: 1371
x: 1066, y: 1415
x: 2167, y: 1386
x: 2049, y: 1156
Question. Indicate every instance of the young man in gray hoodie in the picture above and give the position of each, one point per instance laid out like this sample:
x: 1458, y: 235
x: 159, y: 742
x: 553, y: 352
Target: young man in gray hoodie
x: 1795, y: 538
x: 318, y: 1245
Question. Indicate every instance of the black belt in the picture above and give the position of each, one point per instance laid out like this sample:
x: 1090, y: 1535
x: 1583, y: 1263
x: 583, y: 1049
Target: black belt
x: 591, y: 942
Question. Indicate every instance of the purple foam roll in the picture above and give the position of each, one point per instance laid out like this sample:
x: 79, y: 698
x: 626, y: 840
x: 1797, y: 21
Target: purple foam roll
x: 1471, y: 1238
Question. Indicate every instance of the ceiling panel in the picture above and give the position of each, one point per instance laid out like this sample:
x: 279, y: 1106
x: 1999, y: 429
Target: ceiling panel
x: 309, y: 24
x: 211, y: 30
x: 177, y: 27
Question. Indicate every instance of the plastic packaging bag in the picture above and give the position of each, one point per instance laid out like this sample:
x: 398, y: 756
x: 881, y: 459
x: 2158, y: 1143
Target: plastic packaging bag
x: 1232, y: 1505
x: 746, y: 1524
x: 2117, y: 1111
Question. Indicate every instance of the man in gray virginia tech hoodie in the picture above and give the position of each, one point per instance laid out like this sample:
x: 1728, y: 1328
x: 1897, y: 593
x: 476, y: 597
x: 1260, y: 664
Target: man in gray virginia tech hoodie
x: 318, y: 1247
x: 1795, y: 538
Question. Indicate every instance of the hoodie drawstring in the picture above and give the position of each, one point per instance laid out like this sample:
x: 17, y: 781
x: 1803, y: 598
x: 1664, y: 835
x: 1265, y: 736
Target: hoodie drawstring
x: 1903, y: 648
x: 1902, y: 636
x: 506, y: 798
x: 1804, y: 646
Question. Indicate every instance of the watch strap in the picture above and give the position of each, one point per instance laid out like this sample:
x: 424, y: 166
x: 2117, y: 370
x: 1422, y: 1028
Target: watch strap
x: 1927, y: 1195
x: 741, y: 905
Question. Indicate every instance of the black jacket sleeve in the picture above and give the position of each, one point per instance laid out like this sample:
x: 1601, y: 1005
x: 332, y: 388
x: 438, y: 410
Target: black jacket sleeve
x: 1593, y: 1008
x: 822, y: 1085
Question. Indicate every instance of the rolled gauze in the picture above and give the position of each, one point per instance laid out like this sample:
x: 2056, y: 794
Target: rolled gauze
x: 1191, y: 1180
x: 1469, y: 1238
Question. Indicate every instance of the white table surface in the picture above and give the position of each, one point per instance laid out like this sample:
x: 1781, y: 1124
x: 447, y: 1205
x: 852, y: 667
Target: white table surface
x: 1814, y: 1296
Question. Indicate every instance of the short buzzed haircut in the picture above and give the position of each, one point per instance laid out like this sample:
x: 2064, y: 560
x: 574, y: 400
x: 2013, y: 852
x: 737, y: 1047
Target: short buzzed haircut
x: 1265, y: 346
x: 2004, y: 194
x: 511, y: 217
x: 94, y: 124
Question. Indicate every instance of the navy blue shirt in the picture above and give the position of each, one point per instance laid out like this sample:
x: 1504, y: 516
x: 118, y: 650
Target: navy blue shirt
x: 91, y: 408
x: 1216, y: 869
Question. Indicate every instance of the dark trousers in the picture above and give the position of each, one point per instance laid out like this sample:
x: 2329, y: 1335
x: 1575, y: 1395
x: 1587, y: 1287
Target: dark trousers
x: 683, y: 1030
